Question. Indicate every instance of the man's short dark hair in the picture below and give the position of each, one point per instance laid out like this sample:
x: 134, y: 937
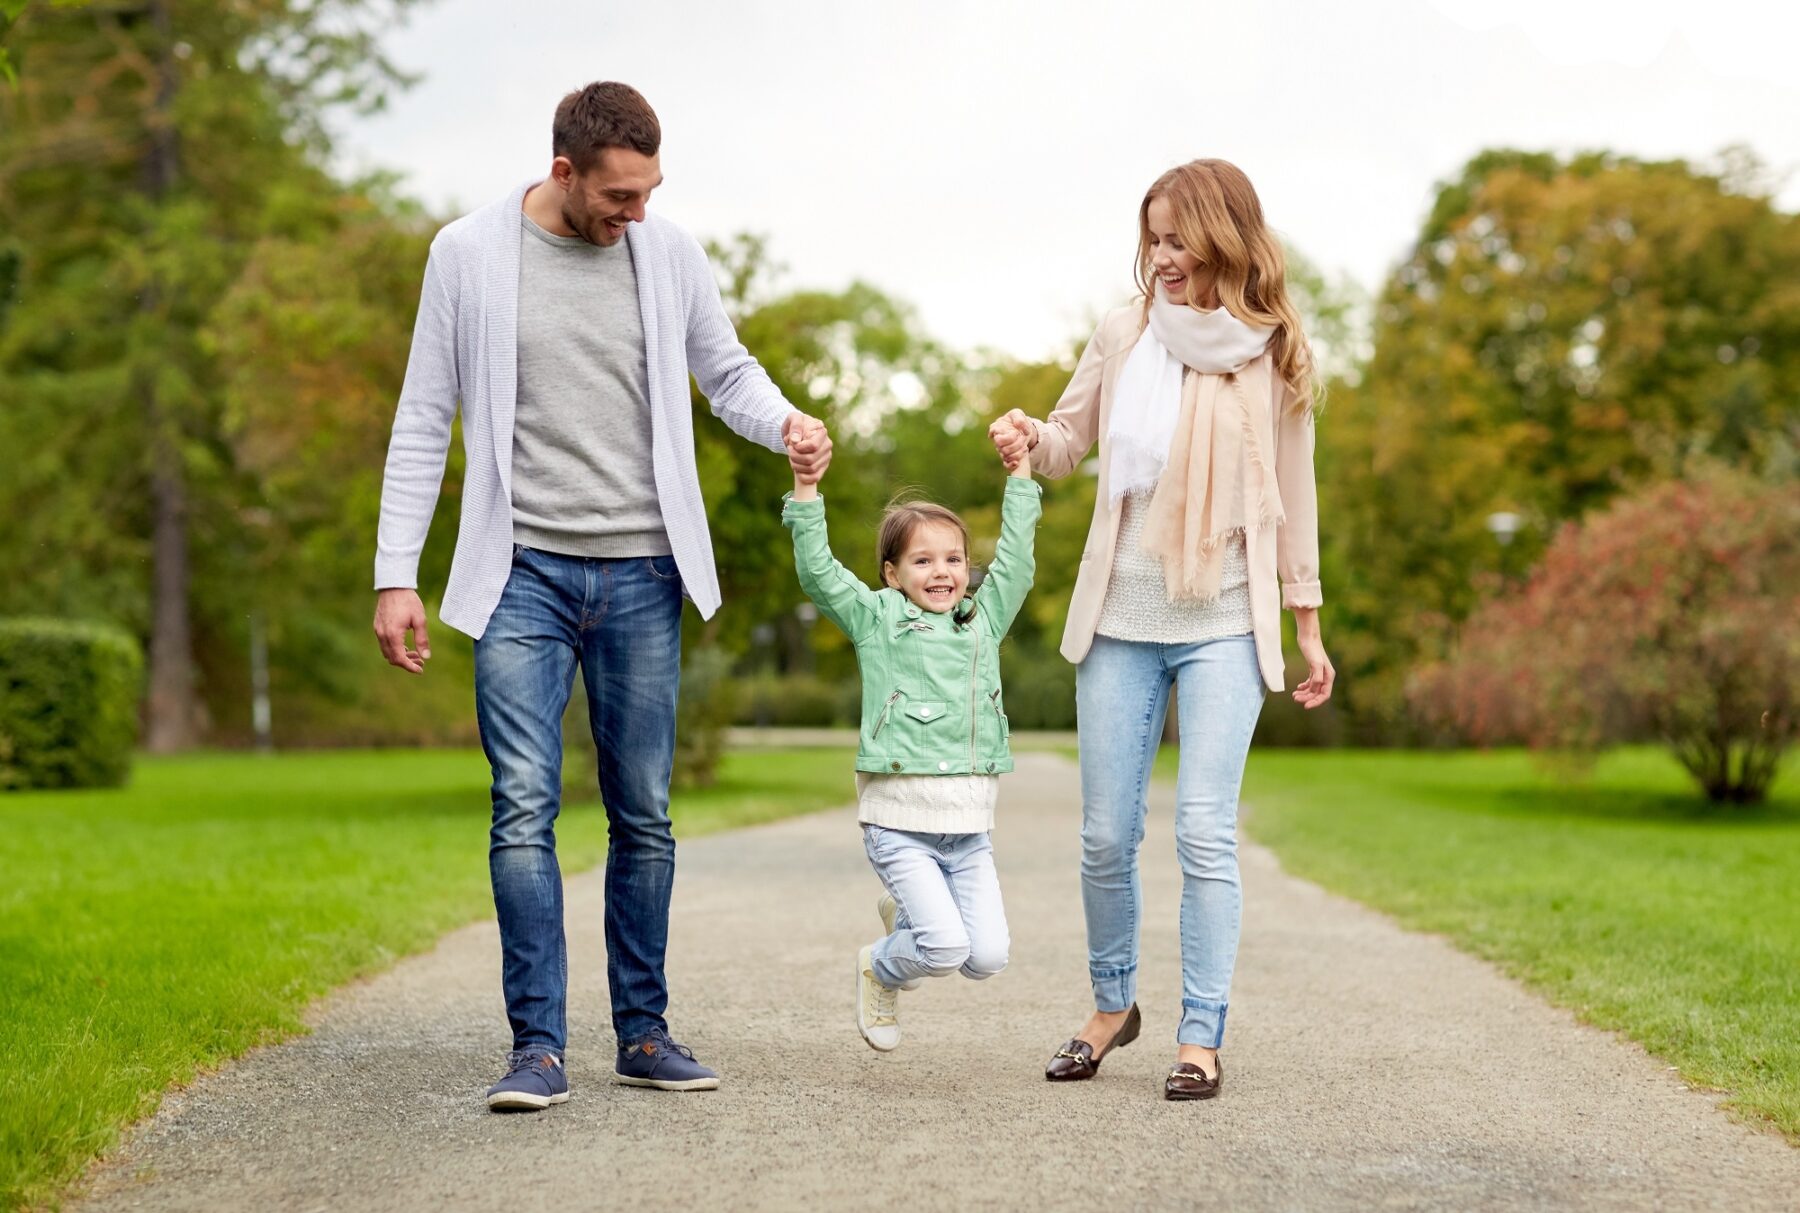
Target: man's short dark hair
x: 607, y: 114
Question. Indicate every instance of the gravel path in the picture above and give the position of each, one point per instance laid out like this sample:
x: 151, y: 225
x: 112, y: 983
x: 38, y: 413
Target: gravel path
x: 1368, y: 1068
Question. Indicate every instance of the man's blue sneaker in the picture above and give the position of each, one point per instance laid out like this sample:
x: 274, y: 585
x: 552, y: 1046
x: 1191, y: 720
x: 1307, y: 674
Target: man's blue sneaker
x: 656, y: 1061
x: 534, y: 1079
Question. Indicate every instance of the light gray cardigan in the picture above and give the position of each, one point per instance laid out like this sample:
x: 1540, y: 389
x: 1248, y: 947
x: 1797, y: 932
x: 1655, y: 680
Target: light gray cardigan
x: 465, y: 347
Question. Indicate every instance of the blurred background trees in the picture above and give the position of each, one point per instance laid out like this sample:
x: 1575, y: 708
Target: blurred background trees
x: 203, y: 331
x: 1671, y: 617
x: 1564, y: 331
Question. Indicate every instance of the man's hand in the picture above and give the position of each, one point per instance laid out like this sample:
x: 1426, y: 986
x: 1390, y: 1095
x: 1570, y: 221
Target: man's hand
x: 808, y: 447
x: 1013, y: 436
x: 398, y: 612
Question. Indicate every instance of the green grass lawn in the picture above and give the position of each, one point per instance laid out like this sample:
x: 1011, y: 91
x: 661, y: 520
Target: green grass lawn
x: 149, y: 932
x: 1619, y: 894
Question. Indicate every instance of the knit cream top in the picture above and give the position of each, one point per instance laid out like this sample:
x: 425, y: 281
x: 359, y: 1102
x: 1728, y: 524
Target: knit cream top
x: 1137, y: 605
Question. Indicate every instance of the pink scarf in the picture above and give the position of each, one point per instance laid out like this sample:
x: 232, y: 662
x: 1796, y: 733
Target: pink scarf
x: 1182, y: 420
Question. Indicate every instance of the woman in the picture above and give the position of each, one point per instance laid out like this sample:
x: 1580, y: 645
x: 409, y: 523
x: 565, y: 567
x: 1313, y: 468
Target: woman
x: 1205, y: 527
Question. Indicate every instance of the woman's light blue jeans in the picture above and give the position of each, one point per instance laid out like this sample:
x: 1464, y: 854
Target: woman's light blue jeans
x: 1122, y: 695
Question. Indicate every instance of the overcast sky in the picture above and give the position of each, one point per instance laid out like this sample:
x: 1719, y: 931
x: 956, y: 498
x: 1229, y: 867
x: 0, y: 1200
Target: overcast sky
x: 984, y: 161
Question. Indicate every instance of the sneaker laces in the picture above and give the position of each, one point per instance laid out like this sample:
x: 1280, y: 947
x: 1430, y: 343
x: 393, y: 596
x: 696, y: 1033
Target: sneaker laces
x: 887, y: 1006
x: 523, y: 1059
x: 664, y: 1041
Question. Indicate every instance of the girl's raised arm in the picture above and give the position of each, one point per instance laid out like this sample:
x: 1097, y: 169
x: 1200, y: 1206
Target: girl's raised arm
x: 1009, y: 578
x: 837, y: 592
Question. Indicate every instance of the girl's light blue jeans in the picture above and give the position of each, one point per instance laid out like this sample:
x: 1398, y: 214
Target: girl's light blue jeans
x: 1122, y: 696
x: 950, y: 917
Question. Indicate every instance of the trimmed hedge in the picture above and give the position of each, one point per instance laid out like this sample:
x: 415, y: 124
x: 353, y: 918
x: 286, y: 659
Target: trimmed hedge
x: 796, y: 701
x: 68, y: 703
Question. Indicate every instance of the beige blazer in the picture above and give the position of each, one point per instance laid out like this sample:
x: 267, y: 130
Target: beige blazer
x: 1283, y: 574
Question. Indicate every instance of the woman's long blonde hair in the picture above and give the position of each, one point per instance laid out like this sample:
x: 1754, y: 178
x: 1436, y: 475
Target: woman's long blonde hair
x: 1220, y: 221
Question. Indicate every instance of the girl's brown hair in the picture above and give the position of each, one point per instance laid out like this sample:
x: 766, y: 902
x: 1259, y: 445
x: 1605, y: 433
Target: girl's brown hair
x: 1220, y: 221
x: 899, y: 522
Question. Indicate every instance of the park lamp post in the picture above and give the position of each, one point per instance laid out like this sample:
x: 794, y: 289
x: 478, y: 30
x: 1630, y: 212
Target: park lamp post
x: 1503, y: 525
x: 261, y: 714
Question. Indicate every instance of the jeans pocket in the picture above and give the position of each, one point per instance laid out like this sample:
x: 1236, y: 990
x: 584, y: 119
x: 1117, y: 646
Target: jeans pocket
x: 873, y: 839
x: 663, y: 568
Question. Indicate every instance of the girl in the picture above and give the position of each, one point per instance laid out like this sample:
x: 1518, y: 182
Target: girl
x: 933, y: 739
x: 1205, y: 527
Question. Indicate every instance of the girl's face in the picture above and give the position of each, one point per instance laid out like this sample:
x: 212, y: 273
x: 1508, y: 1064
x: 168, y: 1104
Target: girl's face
x: 1174, y: 264
x: 933, y: 569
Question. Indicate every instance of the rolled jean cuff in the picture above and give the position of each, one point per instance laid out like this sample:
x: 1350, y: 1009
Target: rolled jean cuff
x: 1202, y: 1023
x: 1114, y: 989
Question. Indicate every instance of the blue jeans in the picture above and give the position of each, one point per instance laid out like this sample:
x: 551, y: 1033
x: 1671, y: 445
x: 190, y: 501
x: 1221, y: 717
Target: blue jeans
x: 1121, y: 698
x: 949, y: 915
x: 619, y: 623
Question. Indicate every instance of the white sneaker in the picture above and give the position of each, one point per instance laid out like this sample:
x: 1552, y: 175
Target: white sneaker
x: 877, y: 1006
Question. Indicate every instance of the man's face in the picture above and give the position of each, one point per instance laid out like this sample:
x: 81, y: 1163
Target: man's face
x: 599, y: 203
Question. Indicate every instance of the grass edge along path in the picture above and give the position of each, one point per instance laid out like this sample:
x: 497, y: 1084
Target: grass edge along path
x: 151, y: 933
x: 1616, y: 893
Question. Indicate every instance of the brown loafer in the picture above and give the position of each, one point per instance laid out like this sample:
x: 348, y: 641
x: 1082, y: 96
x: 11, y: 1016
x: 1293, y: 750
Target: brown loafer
x: 1189, y: 1081
x: 1077, y: 1060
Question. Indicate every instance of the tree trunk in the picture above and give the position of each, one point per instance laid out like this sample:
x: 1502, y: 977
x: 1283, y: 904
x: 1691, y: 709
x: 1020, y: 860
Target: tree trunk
x: 174, y: 713
x: 173, y: 707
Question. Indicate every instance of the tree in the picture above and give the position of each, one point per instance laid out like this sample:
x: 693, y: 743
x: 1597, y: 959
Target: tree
x: 1673, y: 617
x: 1562, y: 332
x: 892, y: 397
x: 146, y: 150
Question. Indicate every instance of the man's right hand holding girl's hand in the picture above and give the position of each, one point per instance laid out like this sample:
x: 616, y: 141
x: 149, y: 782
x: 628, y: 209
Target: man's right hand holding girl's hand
x: 809, y: 454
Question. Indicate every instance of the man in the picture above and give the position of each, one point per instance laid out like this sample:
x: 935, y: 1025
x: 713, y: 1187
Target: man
x: 566, y: 321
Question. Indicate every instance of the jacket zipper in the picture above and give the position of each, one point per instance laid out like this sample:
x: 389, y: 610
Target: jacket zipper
x: 886, y: 708
x: 974, y: 695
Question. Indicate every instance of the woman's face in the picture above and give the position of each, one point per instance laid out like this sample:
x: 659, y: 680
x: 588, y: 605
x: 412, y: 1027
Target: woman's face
x: 1170, y: 259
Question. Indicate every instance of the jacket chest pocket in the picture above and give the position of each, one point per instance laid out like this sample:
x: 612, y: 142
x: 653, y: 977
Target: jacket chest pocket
x: 925, y: 710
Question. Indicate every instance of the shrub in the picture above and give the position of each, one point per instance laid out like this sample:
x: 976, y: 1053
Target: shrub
x: 1672, y: 617
x: 68, y: 703
x: 708, y: 703
x: 796, y: 701
x: 1040, y: 688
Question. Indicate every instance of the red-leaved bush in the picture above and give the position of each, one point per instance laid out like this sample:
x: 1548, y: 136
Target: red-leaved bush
x: 1672, y: 617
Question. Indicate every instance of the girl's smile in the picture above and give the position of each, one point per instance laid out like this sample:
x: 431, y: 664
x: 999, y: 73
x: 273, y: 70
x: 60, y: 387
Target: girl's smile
x: 933, y: 570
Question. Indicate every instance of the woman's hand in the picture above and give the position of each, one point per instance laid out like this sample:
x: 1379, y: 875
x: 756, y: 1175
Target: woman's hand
x: 1013, y: 436
x: 1317, y: 687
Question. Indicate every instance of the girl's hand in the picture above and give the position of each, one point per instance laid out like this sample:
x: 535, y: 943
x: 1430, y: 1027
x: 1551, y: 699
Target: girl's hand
x: 1317, y: 687
x: 1013, y: 437
x: 1021, y: 466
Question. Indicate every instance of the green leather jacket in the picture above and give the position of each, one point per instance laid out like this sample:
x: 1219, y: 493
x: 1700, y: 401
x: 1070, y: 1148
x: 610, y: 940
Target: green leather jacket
x: 931, y: 701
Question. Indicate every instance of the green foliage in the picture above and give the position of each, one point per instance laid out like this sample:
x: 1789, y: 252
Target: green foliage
x: 1622, y: 895
x: 154, y: 932
x: 1671, y: 617
x: 1039, y: 689
x: 797, y: 701
x: 708, y: 701
x: 68, y: 703
x: 235, y: 321
x: 1565, y: 330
